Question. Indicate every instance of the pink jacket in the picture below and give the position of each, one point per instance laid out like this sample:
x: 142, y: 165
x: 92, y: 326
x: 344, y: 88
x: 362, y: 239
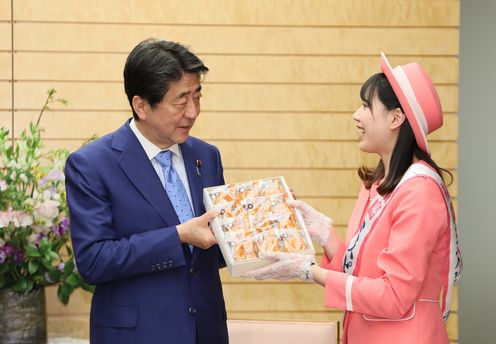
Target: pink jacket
x: 394, y: 295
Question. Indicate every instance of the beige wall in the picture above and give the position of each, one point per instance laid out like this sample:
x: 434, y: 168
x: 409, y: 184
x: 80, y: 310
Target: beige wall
x: 284, y: 81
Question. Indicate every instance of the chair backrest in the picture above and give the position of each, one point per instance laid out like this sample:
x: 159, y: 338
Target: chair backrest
x: 286, y: 332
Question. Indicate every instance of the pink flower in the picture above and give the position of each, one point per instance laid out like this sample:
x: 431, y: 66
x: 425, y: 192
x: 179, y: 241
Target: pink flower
x: 48, y: 210
x: 40, y: 229
x: 42, y: 182
x: 3, y: 185
x: 4, y: 219
x: 22, y: 219
x: 18, y: 218
x: 55, y: 175
x: 35, y: 238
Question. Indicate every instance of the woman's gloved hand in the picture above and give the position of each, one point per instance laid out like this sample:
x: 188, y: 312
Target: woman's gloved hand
x: 318, y: 225
x: 286, y: 266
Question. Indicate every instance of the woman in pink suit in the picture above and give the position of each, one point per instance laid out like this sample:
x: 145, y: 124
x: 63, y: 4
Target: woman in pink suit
x: 401, y: 251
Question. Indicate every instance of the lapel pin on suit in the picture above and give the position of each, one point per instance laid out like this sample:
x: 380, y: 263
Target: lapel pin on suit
x: 198, y: 164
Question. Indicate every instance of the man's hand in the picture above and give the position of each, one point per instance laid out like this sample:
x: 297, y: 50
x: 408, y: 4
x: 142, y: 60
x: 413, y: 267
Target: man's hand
x: 197, y: 231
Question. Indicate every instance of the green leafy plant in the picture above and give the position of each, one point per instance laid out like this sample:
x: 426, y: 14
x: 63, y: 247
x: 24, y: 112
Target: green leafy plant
x: 35, y: 248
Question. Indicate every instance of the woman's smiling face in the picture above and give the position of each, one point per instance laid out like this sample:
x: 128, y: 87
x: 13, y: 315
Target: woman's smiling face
x: 373, y: 121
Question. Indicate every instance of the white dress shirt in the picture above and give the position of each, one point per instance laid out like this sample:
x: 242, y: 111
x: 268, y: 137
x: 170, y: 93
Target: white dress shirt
x: 152, y: 150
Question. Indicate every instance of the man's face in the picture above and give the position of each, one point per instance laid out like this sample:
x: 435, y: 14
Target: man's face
x: 170, y: 121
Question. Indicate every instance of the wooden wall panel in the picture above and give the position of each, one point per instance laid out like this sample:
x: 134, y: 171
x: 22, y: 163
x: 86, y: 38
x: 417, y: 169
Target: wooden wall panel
x: 312, y: 154
x: 283, y: 154
x: 326, y: 315
x: 247, y: 12
x: 73, y: 124
x: 61, y: 326
x: 284, y: 80
x: 218, y: 97
x: 326, y: 69
x: 240, y: 39
x: 5, y: 66
x: 79, y: 303
x: 6, y: 95
x: 315, y: 183
x: 5, y: 10
x: 251, y: 126
x: 452, y: 327
x: 82, y: 96
x: 5, y: 119
x: 316, y: 126
x: 278, y: 297
x: 259, y: 69
x: 5, y: 36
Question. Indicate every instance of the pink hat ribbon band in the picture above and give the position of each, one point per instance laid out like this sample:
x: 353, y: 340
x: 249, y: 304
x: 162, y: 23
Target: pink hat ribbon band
x: 405, y: 85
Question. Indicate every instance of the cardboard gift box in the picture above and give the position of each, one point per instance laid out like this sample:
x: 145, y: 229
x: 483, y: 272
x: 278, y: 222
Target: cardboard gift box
x: 254, y: 217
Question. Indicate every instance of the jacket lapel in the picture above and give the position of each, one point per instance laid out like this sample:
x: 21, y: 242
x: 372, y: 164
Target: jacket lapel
x: 141, y: 173
x: 195, y: 182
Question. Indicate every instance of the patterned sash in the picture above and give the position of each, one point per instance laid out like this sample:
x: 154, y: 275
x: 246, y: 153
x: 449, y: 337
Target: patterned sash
x: 378, y: 204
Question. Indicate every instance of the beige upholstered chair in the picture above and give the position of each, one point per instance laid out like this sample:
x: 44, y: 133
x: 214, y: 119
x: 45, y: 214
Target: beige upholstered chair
x: 286, y: 332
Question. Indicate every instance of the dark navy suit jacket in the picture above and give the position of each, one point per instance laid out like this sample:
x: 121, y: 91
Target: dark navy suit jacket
x: 148, y: 288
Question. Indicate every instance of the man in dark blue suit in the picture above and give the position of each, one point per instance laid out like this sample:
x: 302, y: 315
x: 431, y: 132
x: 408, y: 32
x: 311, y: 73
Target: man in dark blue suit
x: 139, y: 228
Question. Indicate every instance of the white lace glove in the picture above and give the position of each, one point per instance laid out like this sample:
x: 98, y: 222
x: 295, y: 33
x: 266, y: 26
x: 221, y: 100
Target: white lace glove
x: 285, y: 266
x: 318, y: 225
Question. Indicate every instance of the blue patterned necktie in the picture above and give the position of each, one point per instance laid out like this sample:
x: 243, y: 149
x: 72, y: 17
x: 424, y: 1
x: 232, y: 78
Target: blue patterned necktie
x: 175, y: 188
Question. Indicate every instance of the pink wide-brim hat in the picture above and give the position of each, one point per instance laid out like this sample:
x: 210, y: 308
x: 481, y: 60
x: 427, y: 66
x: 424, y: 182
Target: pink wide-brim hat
x: 417, y: 96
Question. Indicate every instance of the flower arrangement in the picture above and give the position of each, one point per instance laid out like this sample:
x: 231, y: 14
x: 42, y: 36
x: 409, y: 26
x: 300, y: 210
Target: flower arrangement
x: 35, y: 246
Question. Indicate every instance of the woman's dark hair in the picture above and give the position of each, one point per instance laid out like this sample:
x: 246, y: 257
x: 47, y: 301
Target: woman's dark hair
x: 405, y: 148
x: 152, y: 65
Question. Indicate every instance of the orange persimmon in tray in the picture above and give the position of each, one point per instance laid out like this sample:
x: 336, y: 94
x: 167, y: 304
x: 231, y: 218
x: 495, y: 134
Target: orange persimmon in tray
x: 254, y: 218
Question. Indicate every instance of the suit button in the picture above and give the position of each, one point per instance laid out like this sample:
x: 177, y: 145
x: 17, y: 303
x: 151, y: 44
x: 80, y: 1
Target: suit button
x: 192, y: 310
x: 192, y: 271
